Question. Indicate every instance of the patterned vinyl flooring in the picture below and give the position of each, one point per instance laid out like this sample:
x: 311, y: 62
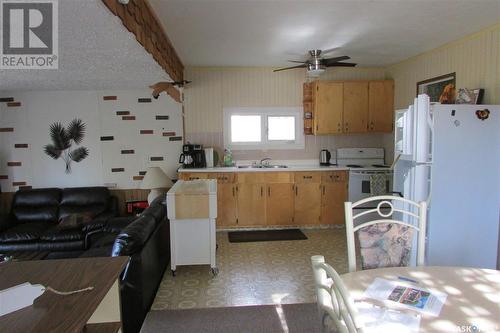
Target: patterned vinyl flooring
x: 254, y: 273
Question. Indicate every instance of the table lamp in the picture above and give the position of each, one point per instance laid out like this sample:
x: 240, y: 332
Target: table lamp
x: 155, y: 179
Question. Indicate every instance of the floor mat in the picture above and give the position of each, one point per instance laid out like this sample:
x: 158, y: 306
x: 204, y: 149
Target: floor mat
x: 265, y: 235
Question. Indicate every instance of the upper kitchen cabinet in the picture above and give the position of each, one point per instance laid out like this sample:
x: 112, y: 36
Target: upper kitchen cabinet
x: 334, y: 107
x: 355, y: 107
x: 381, y: 106
x: 327, y: 107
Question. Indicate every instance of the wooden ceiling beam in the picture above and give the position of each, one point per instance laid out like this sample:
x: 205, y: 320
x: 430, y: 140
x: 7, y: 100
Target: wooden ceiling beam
x: 139, y: 18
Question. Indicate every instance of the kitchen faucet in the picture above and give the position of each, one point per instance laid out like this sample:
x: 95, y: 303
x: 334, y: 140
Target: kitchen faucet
x: 265, y: 161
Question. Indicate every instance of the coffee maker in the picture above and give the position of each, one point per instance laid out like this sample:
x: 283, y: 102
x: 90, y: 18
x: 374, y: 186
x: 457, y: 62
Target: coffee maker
x: 193, y: 156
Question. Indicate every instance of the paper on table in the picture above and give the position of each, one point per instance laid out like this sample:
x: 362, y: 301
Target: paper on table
x: 18, y: 297
x: 382, y: 320
x: 407, y: 295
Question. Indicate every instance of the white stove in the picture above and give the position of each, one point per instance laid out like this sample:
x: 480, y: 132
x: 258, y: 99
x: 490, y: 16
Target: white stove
x: 364, y: 165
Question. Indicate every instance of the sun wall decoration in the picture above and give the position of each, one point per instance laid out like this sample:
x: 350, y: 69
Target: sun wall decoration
x: 63, y: 140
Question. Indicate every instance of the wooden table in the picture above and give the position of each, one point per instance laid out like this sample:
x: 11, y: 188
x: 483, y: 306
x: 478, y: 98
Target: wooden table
x: 26, y: 255
x: 88, y: 311
x: 473, y: 295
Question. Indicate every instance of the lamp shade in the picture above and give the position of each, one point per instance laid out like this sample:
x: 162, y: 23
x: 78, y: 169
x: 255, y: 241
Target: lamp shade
x: 155, y: 178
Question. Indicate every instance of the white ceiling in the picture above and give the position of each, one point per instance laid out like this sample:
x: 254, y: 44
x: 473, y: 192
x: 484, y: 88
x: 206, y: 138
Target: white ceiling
x: 95, y: 52
x: 267, y: 33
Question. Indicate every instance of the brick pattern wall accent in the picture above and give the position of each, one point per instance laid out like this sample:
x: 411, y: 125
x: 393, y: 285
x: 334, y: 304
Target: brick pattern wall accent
x: 128, y: 148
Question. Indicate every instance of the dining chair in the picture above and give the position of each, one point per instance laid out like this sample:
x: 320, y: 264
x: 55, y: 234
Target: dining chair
x: 334, y: 300
x: 387, y: 240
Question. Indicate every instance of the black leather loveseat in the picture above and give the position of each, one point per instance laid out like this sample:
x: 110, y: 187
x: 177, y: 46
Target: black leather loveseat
x: 146, y: 240
x: 33, y: 223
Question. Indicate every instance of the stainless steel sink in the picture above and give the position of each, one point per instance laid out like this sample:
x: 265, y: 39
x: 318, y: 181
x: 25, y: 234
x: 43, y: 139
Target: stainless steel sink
x: 276, y: 166
x: 262, y: 166
x: 249, y: 166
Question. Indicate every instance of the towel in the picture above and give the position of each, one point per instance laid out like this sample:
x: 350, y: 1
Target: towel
x: 378, y: 184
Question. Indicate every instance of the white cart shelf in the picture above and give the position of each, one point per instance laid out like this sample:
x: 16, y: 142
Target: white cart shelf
x: 192, y: 210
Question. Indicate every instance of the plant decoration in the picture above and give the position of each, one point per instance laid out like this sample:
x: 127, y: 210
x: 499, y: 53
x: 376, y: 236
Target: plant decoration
x: 63, y: 140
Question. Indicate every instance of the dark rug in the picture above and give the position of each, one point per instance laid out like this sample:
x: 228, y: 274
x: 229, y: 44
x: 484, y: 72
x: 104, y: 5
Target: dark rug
x: 291, y: 318
x: 265, y: 235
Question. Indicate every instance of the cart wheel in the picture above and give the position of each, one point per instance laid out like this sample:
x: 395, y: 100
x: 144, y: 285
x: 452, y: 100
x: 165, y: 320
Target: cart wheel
x: 214, y: 271
x: 173, y: 273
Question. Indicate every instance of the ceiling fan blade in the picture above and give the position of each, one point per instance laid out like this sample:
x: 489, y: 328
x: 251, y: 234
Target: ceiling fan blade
x: 341, y: 64
x: 330, y: 50
x: 329, y: 61
x: 284, y: 69
x: 299, y: 61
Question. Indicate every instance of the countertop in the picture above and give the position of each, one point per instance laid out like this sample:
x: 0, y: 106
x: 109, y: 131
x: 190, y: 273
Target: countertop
x: 290, y: 168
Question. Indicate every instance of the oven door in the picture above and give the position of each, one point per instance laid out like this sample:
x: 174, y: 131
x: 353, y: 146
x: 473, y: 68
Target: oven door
x: 359, y: 188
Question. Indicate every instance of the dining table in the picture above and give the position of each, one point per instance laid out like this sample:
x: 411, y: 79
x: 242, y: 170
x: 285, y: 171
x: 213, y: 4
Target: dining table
x: 473, y: 295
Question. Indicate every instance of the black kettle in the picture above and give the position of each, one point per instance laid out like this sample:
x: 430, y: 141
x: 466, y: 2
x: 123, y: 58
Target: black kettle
x: 324, y: 157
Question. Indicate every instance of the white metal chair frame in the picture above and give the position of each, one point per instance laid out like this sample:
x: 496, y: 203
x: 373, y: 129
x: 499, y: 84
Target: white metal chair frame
x: 334, y: 300
x: 385, y: 200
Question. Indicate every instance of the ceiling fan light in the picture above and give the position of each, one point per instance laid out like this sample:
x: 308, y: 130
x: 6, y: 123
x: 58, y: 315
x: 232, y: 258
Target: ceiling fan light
x: 315, y: 72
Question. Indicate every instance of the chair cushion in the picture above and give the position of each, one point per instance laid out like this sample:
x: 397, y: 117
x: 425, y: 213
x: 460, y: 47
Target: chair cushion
x: 79, y: 200
x: 74, y: 221
x: 36, y: 205
x: 56, y: 234
x: 24, y: 232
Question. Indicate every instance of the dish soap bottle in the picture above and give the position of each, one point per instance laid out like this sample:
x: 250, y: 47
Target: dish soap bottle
x: 228, y: 158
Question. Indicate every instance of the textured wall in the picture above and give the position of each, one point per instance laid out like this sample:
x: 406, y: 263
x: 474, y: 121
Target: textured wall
x: 213, y: 89
x: 127, y: 131
x: 475, y: 59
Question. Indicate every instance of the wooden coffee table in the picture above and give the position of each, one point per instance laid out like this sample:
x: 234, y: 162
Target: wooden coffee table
x: 26, y: 255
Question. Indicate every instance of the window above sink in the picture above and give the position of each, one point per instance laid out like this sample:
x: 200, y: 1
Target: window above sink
x: 263, y: 128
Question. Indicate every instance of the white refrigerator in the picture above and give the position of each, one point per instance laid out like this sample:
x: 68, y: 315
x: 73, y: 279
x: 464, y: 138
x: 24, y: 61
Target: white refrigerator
x: 449, y: 156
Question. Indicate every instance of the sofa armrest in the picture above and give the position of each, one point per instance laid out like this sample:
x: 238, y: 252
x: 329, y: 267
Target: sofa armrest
x: 6, y: 221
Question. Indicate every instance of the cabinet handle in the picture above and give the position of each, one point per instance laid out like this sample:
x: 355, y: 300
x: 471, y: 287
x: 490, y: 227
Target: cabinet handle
x: 268, y: 191
x: 233, y: 191
x: 296, y: 190
x: 261, y: 191
x: 323, y: 189
x: 307, y: 177
x: 236, y: 189
x: 316, y: 127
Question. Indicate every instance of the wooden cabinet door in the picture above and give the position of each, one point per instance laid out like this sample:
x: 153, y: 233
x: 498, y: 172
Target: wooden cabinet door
x: 307, y: 203
x: 251, y: 204
x: 226, y: 205
x: 333, y: 196
x: 280, y: 200
x: 381, y: 106
x: 328, y: 107
x: 355, y: 107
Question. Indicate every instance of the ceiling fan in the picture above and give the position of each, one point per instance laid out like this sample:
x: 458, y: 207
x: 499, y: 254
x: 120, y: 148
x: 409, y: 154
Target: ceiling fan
x: 316, y: 65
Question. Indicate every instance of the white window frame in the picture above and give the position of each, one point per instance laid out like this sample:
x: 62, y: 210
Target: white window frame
x: 265, y: 112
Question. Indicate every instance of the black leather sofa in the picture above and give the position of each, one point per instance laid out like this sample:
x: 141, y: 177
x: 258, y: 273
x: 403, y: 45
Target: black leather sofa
x: 32, y: 224
x: 146, y: 240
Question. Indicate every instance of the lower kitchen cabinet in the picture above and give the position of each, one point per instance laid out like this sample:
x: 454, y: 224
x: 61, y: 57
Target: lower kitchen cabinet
x: 251, y: 204
x: 226, y: 205
x: 307, y: 203
x: 280, y: 204
x: 333, y: 197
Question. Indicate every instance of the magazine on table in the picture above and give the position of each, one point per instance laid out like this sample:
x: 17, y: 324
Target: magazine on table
x: 406, y: 295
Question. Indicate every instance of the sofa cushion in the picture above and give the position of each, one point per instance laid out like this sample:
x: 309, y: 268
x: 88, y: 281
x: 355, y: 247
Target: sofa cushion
x: 93, y: 200
x: 134, y: 236
x: 24, y: 232
x: 56, y: 234
x: 36, y: 205
x: 158, y: 211
x: 74, y: 221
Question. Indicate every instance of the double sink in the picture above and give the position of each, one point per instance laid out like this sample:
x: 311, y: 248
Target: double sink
x: 262, y: 166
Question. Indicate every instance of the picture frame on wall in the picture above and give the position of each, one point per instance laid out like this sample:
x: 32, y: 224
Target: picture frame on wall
x: 440, y: 89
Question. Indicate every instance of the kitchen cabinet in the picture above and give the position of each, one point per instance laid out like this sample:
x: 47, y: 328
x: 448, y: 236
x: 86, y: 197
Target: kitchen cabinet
x: 251, y: 204
x: 336, y: 107
x: 327, y: 107
x: 381, y: 106
x: 280, y: 204
x: 259, y: 199
x: 226, y: 205
x: 355, y: 107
